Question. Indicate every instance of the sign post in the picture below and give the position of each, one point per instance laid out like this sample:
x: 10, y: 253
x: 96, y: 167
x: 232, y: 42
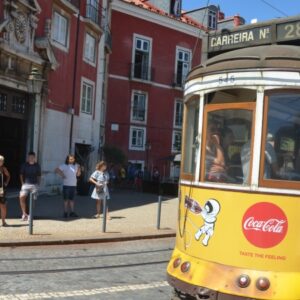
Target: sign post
x: 32, y: 197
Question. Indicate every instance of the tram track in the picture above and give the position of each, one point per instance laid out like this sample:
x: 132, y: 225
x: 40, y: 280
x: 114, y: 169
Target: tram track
x: 105, y: 261
x: 132, y: 270
x: 48, y: 271
x: 86, y: 256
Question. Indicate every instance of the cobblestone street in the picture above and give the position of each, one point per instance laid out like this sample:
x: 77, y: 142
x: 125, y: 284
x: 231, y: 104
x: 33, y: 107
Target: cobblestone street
x: 128, y: 270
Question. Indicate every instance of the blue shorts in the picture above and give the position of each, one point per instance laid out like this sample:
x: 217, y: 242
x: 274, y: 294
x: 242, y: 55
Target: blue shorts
x: 69, y: 192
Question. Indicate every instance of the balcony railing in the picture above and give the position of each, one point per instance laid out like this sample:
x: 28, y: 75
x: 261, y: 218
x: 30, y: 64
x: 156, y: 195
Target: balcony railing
x: 179, y: 80
x: 93, y: 12
x: 138, y: 114
x: 141, y: 71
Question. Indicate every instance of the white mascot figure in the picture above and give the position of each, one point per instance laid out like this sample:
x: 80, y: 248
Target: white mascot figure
x: 209, y: 214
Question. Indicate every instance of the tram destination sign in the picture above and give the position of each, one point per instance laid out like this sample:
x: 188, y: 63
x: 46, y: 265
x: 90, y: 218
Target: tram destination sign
x: 288, y: 31
x: 239, y: 39
x: 272, y: 32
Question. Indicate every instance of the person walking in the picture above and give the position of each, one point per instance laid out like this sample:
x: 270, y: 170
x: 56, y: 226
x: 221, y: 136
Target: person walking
x: 69, y: 171
x: 4, y: 181
x: 100, y: 179
x: 30, y: 177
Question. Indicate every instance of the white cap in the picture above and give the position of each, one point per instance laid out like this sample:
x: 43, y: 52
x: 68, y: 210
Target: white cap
x: 270, y: 137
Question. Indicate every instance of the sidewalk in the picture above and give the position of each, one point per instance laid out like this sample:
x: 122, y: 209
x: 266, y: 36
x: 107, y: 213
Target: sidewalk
x: 134, y: 216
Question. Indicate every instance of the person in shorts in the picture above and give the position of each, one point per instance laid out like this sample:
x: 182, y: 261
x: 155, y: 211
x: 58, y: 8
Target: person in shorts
x: 30, y: 177
x: 69, y: 171
x: 4, y: 180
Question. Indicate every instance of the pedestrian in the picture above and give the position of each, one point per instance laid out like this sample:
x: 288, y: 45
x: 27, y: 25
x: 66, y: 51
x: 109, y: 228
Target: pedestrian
x: 4, y: 181
x: 138, y: 180
x: 156, y: 175
x: 69, y: 171
x: 131, y: 174
x: 122, y: 175
x: 112, y: 177
x: 100, y: 179
x: 30, y: 177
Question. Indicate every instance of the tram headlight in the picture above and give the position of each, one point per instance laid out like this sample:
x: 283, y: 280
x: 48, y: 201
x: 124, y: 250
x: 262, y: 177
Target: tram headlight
x: 262, y: 283
x: 185, y: 267
x: 243, y: 281
x: 176, y: 263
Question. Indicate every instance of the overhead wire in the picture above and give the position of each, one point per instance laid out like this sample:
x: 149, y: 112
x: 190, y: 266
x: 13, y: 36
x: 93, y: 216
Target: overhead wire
x: 274, y: 7
x: 200, y: 30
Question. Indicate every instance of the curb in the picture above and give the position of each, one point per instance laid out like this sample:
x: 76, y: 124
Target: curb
x: 108, y: 239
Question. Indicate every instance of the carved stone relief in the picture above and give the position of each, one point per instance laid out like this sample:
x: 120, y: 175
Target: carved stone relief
x: 18, y: 38
x: 21, y: 27
x: 20, y: 22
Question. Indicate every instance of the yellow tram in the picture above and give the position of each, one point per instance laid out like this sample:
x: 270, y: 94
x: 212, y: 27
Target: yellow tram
x: 238, y: 233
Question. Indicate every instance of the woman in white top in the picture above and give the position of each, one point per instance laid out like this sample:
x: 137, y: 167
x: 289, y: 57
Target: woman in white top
x: 100, y: 179
x: 69, y: 171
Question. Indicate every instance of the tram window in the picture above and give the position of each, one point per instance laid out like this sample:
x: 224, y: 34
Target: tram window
x: 191, y: 145
x: 282, y: 138
x: 228, y: 136
x: 232, y: 96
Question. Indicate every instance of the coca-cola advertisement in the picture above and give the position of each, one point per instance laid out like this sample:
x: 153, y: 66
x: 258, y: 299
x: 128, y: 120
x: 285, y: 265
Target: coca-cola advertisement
x: 265, y: 225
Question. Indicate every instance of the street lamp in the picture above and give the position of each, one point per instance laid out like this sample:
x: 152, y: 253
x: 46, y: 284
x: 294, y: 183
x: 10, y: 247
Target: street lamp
x: 34, y: 86
x: 35, y: 82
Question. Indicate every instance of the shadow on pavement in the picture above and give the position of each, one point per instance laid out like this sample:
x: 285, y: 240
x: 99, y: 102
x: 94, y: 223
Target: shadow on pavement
x: 51, y: 207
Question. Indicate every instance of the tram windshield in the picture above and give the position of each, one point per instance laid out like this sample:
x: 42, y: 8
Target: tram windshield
x: 191, y: 143
x: 282, y: 138
x: 228, y: 146
x: 227, y: 139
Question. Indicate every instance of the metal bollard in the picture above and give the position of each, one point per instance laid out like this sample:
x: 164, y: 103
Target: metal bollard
x: 31, y: 198
x: 158, y: 212
x: 104, y: 215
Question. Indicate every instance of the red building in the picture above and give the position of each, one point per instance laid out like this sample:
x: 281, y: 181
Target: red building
x: 57, y: 109
x: 153, y: 51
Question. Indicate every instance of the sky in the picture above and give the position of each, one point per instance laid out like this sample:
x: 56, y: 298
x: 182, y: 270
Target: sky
x: 250, y: 9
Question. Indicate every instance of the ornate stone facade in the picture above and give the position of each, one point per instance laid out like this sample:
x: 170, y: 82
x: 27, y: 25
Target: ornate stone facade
x: 20, y: 23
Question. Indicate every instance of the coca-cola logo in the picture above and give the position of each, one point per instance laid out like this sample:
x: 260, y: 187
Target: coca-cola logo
x: 265, y: 225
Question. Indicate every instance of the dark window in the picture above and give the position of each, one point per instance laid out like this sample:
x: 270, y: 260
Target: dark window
x: 191, y: 143
x: 141, y: 59
x: 281, y: 161
x: 227, y: 147
x: 176, y: 141
x: 3, y: 102
x: 183, y: 66
x: 178, y: 113
x: 139, y: 107
x: 19, y: 105
x: 60, y: 29
x: 92, y: 10
x: 137, y: 141
x: 212, y: 19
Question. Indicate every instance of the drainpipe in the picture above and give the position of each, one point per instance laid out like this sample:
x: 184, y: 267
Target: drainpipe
x: 74, y: 83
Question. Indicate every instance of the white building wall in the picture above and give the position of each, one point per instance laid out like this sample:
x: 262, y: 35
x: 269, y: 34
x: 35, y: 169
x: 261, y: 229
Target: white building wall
x: 54, y: 146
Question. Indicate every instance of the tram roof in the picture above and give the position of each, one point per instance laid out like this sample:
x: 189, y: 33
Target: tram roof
x: 272, y: 57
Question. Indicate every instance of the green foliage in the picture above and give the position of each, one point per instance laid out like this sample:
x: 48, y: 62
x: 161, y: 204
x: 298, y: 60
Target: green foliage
x: 114, y: 155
